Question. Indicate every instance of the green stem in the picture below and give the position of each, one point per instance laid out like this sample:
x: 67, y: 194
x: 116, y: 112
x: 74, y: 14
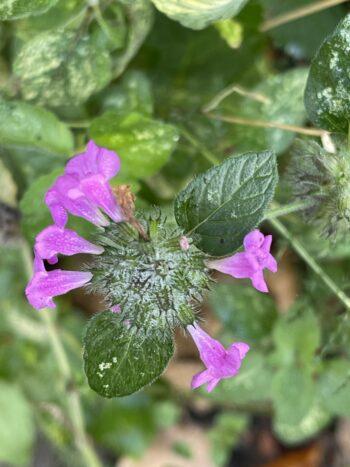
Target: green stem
x: 71, y: 394
x: 198, y: 145
x: 284, y: 210
x: 304, y: 254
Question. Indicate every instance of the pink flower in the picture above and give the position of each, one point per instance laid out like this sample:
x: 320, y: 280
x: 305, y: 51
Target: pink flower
x: 184, y: 243
x: 53, y: 240
x: 45, y: 285
x: 250, y: 263
x: 84, y: 189
x: 221, y: 363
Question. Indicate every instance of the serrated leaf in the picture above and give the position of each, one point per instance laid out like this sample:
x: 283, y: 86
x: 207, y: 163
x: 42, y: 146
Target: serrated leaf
x: 24, y: 125
x: 297, y: 337
x: 328, y: 84
x: 197, y: 14
x: 14, y: 9
x: 16, y: 439
x: 279, y: 99
x: 247, y: 315
x: 334, y: 387
x: 59, y: 67
x: 314, y: 420
x: 144, y: 144
x: 119, y: 359
x: 226, y: 202
x: 293, y: 391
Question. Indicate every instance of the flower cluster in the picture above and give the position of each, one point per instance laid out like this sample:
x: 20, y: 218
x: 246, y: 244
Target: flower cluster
x: 144, y: 273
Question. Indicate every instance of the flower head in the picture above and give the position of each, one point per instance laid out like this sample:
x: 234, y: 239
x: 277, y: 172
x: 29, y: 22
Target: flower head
x: 45, y: 285
x: 83, y: 191
x: 221, y: 363
x: 250, y: 263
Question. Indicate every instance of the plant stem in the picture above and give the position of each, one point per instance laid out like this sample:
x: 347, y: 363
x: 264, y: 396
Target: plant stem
x: 239, y: 90
x: 278, y: 211
x: 71, y: 394
x: 298, y: 13
x: 304, y: 254
x: 198, y: 145
x: 267, y: 124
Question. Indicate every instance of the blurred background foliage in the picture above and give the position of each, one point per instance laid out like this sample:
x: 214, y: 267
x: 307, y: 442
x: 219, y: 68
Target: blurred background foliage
x: 167, y: 89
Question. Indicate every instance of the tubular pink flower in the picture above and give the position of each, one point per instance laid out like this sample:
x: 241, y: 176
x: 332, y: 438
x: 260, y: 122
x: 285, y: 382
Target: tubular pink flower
x: 45, y: 285
x: 53, y: 241
x: 84, y: 188
x: 250, y: 263
x: 221, y: 363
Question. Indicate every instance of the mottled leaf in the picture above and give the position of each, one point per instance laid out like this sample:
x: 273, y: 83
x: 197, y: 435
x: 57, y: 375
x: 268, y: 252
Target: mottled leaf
x: 63, y: 66
x: 279, y: 99
x: 328, y: 86
x: 120, y: 359
x: 14, y: 9
x: 223, y: 204
x: 144, y: 144
x: 197, y: 14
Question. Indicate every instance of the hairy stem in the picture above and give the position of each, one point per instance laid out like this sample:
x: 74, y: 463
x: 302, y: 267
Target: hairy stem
x: 71, y: 394
x: 299, y: 13
x: 305, y: 255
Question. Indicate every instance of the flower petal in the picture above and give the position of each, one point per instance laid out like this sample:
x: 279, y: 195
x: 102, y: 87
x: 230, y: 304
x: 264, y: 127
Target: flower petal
x: 53, y: 240
x: 253, y: 240
x: 58, y: 212
x: 212, y: 384
x: 97, y: 190
x: 46, y: 285
x: 201, y: 378
x: 258, y: 282
x: 211, y: 351
x: 239, y: 265
x: 266, y: 246
x: 95, y: 160
x: 242, y: 348
x: 270, y: 263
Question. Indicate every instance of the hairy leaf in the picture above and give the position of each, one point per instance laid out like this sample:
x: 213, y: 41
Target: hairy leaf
x: 14, y: 9
x: 223, y: 204
x: 197, y: 14
x: 328, y: 86
x: 59, y: 67
x: 119, y: 359
x: 144, y: 144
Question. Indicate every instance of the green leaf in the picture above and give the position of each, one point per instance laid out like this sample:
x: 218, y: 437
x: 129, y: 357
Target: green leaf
x: 197, y: 14
x: 231, y: 31
x: 297, y: 337
x: 225, y: 203
x: 110, y: 31
x: 26, y: 126
x: 246, y: 314
x: 292, y: 391
x: 314, y: 420
x: 140, y: 19
x: 334, y: 387
x: 328, y: 85
x: 294, y: 37
x: 59, y: 67
x: 120, y: 360
x: 134, y: 93
x: 225, y: 434
x: 14, y: 9
x: 8, y: 192
x: 144, y: 144
x: 280, y: 100
x: 16, y: 426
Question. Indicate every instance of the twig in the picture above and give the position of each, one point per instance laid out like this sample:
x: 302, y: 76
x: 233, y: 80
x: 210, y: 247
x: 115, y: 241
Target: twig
x: 267, y: 124
x: 71, y: 394
x: 298, y: 13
